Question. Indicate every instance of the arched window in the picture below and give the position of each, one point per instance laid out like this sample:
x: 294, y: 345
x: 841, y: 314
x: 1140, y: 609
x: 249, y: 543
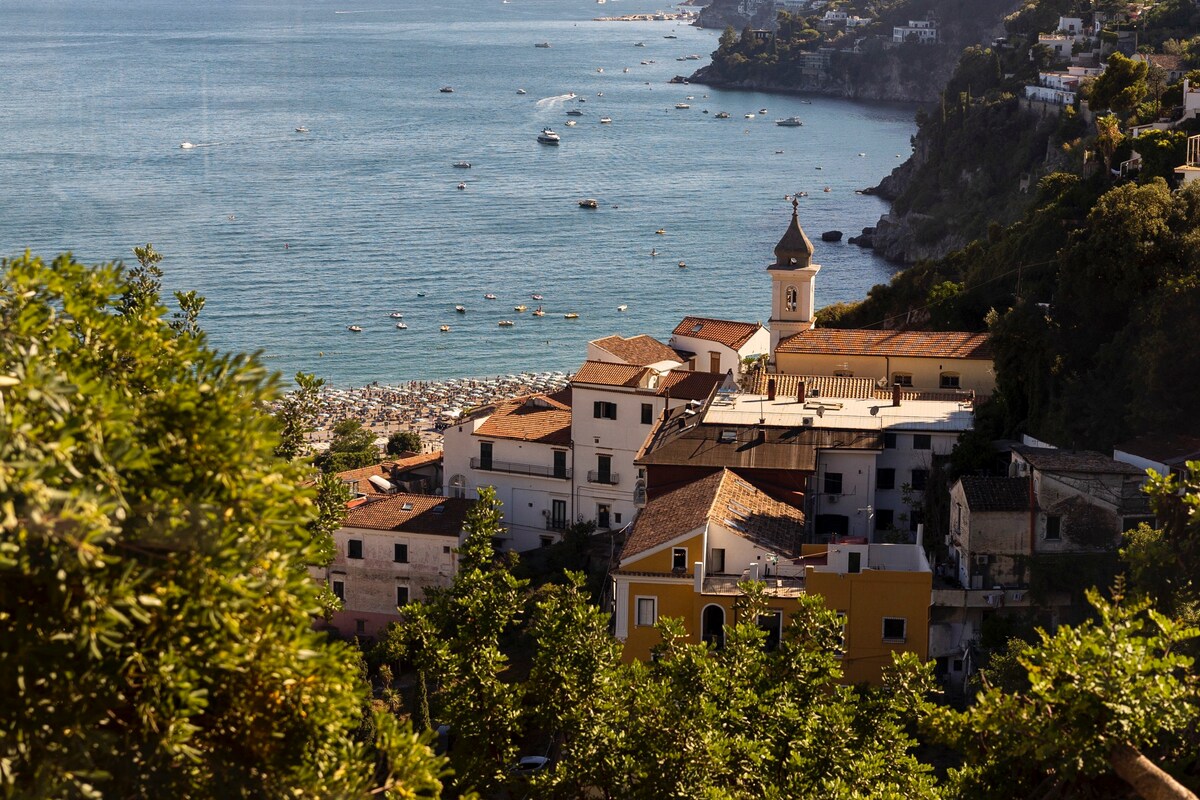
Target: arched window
x: 458, y: 486
x: 791, y: 298
x: 713, y: 626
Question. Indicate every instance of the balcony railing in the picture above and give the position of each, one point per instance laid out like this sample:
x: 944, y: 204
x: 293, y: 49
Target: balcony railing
x: 775, y: 585
x: 540, y: 470
x: 609, y: 478
x: 556, y: 524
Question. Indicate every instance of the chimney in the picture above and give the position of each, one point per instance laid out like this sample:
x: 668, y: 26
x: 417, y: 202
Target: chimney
x: 895, y: 394
x: 800, y: 392
x: 771, y: 389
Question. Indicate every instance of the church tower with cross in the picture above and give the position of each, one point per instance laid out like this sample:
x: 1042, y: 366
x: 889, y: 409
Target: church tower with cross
x: 792, y: 291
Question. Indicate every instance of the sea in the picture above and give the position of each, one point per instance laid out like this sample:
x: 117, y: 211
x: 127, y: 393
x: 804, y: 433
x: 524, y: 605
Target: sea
x: 293, y: 237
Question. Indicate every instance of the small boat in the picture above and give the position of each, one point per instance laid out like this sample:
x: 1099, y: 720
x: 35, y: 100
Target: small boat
x: 570, y: 315
x: 396, y: 315
x: 506, y: 323
x: 762, y: 111
x: 705, y: 111
x: 520, y: 308
x: 302, y: 129
x: 606, y: 120
x: 625, y: 70
x: 588, y: 203
x: 401, y: 326
x: 537, y: 312
x: 462, y: 164
x: 661, y: 231
x: 522, y: 91
x: 460, y: 309
x: 682, y: 105
x: 548, y: 136
x: 723, y: 115
x: 622, y: 307
x: 827, y: 189
x: 354, y: 329
x: 670, y: 36
x: 421, y: 294
x: 682, y: 264
x: 543, y: 45
x: 462, y: 186
x: 574, y: 112
x: 536, y: 296
x: 186, y: 146
x: 570, y: 123
x: 447, y: 90
x: 444, y: 329
x: 862, y: 155
x: 489, y: 296
x: 749, y: 116
x: 693, y: 57
x: 653, y: 252
x: 640, y: 44
x: 599, y: 69
x: 790, y: 122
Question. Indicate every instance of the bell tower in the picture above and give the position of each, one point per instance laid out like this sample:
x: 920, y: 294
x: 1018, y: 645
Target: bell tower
x: 792, y: 291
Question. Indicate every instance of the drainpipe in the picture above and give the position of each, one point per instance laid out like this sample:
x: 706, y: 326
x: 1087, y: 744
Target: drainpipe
x: 1032, y: 516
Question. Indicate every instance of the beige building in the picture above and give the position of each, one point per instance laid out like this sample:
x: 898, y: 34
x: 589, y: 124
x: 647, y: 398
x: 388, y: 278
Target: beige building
x: 719, y: 345
x: 389, y: 549
x: 948, y: 360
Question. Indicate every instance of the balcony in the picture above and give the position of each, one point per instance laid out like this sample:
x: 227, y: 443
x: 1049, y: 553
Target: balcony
x: 775, y: 585
x: 556, y: 524
x: 539, y: 470
x: 607, y: 478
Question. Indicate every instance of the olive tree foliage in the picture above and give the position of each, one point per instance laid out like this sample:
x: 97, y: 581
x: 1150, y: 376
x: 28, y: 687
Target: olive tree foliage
x: 454, y: 639
x: 155, y: 616
x: 295, y: 414
x: 1097, y: 697
x: 404, y: 442
x: 351, y: 447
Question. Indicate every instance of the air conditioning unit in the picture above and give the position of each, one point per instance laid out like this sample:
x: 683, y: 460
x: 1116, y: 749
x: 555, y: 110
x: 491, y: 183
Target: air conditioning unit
x: 981, y: 560
x: 833, y: 498
x: 806, y: 421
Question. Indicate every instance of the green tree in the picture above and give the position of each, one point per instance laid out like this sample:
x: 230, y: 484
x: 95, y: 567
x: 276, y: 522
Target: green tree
x: 155, y: 617
x: 470, y: 617
x: 296, y: 414
x: 1100, y: 696
x: 1108, y: 138
x: 1121, y: 86
x: 351, y: 447
x: 404, y: 442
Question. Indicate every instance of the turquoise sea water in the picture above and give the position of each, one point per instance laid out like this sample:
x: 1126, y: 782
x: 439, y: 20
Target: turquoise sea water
x: 292, y: 237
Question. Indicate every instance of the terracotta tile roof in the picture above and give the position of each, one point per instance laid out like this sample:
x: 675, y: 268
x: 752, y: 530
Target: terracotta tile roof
x: 1049, y: 459
x: 388, y: 470
x: 606, y: 374
x: 727, y: 499
x: 535, y: 418
x: 641, y: 350
x: 686, y: 385
x: 413, y: 513
x: 722, y: 331
x: 996, y: 494
x: 927, y: 344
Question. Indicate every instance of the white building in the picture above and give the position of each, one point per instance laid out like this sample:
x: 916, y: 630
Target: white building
x: 922, y: 31
x: 1058, y: 88
x: 1190, y: 170
x: 1058, y: 45
x: 1166, y: 455
x: 389, y: 550
x: 718, y: 345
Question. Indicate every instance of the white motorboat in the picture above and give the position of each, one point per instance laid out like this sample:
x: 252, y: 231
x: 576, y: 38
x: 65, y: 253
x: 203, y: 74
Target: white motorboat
x: 682, y: 105
x: 302, y: 129
x: 790, y: 122
x: 522, y: 91
x: 447, y: 90
x: 489, y: 296
x: 588, y: 203
x: 606, y: 120
x: 570, y: 123
x: 186, y: 146
x: 460, y: 309
x: 401, y: 326
x: 396, y: 315
x: 444, y: 329
x: 749, y: 116
x: 570, y: 315
x: 542, y: 45
x: 548, y: 136
x: 463, y: 164
x: 622, y: 307
x: 506, y: 323
x: 354, y: 329
x: 574, y: 112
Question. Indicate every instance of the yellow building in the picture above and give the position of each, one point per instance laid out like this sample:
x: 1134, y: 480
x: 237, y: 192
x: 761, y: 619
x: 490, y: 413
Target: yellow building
x: 690, y: 548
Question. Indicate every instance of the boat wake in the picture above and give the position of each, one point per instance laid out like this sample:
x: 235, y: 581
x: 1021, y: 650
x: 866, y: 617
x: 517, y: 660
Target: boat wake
x: 557, y: 100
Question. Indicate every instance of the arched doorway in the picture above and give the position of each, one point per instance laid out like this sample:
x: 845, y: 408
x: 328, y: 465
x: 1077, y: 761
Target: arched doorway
x: 712, y: 626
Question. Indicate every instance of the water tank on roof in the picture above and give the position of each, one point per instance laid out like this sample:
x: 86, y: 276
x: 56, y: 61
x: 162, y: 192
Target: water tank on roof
x: 382, y: 484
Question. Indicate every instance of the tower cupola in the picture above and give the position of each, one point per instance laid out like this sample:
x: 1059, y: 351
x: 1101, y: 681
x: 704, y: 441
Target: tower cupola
x: 794, y: 250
